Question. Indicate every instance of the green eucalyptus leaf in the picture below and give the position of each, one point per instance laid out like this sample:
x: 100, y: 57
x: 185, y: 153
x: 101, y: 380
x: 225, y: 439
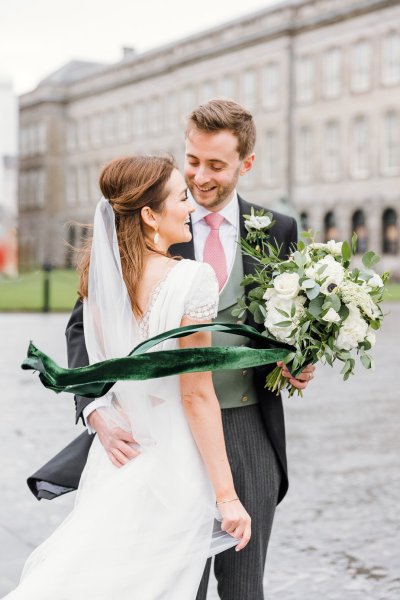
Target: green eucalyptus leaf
x: 308, y: 284
x: 346, y: 250
x: 313, y: 292
x: 366, y: 361
x: 315, y: 306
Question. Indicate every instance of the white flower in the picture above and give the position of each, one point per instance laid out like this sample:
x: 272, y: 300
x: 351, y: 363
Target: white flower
x: 354, y: 293
x: 371, y: 337
x: 353, y: 330
x: 375, y: 281
x: 284, y: 334
x: 258, y: 223
x: 334, y: 248
x: 269, y: 292
x: 333, y: 274
x: 287, y: 285
x: 331, y: 316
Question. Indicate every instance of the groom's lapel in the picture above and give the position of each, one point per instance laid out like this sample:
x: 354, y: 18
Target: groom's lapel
x: 186, y: 250
x: 248, y: 262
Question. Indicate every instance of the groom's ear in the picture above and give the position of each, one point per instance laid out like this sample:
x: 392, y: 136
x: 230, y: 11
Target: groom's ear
x: 247, y: 164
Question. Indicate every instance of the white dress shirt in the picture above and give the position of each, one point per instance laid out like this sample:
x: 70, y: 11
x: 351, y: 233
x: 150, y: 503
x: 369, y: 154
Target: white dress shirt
x: 229, y: 235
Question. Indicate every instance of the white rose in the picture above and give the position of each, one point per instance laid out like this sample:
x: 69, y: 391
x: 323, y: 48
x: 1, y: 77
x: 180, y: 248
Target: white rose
x: 283, y: 334
x: 269, y: 292
x: 371, y: 337
x: 257, y: 222
x: 334, y: 248
x: 375, y: 281
x: 353, y: 331
x: 287, y: 285
x: 331, y: 316
x: 333, y: 273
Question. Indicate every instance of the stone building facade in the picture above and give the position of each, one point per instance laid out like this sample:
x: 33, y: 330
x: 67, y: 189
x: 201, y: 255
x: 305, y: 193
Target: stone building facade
x: 322, y: 78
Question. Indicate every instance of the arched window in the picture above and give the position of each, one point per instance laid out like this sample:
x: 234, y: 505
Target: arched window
x: 330, y: 228
x: 304, y: 221
x: 390, y: 232
x: 359, y: 226
x: 69, y: 255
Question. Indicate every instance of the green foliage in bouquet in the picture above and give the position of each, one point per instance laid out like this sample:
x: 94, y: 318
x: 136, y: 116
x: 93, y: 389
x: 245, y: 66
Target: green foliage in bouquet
x: 314, y: 301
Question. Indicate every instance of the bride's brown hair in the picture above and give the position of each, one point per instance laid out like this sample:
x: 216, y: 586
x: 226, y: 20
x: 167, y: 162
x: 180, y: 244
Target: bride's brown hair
x: 129, y: 184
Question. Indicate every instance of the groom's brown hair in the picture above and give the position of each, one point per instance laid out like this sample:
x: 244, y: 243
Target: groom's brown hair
x: 219, y: 115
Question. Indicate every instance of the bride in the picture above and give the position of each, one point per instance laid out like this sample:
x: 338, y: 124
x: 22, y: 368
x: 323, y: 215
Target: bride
x: 145, y: 530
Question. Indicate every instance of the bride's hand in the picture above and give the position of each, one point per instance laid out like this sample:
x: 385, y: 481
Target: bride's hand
x: 236, y: 521
x: 115, y: 440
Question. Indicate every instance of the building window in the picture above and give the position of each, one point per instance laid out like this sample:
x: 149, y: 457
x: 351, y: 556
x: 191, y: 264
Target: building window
x: 391, y: 150
x: 332, y: 147
x: 207, y: 90
x: 42, y: 137
x: 305, y: 79
x: 71, y: 245
x: 123, y: 125
x: 361, y: 66
x: 249, y: 89
x: 171, y: 110
x: 83, y: 185
x: 83, y: 133
x: 72, y: 186
x: 155, y: 115
x: 359, y: 227
x: 390, y: 232
x: 305, y: 154
x: 391, y: 58
x: 332, y: 73
x: 359, y: 164
x: 95, y: 130
x: 139, y: 119
x: 271, y: 158
x: 228, y: 87
x: 41, y: 187
x: 270, y: 83
x: 71, y: 136
x: 330, y: 227
x: 188, y: 100
x: 304, y: 221
x: 109, y: 126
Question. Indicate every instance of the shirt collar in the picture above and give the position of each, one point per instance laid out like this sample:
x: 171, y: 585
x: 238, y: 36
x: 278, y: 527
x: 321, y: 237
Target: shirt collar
x: 230, y: 212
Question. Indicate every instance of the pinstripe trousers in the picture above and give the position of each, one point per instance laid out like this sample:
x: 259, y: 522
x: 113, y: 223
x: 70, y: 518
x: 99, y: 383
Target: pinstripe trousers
x: 256, y: 474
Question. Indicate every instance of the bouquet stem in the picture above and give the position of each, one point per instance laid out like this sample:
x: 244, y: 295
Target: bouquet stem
x: 276, y: 382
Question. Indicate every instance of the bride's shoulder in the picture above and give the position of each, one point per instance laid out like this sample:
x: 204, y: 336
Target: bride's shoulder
x: 202, y: 269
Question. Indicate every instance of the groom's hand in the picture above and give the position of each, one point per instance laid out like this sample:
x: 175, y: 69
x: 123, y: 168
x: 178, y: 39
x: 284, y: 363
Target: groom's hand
x: 116, y: 441
x: 302, y: 380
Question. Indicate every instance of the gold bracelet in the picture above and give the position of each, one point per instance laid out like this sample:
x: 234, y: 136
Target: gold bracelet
x: 225, y: 501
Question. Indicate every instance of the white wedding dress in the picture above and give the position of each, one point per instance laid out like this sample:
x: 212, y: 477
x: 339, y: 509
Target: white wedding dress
x: 144, y: 531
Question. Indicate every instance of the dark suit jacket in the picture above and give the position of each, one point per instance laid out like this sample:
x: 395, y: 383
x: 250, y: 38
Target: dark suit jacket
x: 71, y: 459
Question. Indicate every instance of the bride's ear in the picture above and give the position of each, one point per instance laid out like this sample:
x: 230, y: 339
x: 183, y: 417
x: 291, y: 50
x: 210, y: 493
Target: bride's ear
x: 148, y: 217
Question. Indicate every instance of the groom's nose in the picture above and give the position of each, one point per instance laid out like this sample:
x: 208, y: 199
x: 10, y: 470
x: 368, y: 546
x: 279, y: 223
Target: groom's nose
x: 201, y: 176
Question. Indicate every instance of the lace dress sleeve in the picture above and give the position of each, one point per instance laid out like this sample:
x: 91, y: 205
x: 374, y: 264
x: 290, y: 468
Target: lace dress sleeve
x: 202, y: 301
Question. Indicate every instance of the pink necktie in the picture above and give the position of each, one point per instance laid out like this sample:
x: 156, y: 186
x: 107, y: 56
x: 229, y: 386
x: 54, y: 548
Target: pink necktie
x: 214, y: 253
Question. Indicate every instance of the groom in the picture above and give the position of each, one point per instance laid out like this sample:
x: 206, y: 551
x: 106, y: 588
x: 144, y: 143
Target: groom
x: 220, y: 139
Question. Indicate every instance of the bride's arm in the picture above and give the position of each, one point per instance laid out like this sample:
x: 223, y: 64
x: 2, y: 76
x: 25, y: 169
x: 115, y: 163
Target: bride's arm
x: 204, y: 416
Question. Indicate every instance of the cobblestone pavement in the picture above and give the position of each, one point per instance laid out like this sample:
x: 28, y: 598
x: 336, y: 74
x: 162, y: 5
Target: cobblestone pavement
x: 336, y: 535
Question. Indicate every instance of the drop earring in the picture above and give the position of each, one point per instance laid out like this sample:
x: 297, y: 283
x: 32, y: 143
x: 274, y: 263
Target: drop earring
x: 156, y: 238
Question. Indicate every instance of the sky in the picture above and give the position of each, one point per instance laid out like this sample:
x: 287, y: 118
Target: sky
x: 39, y: 36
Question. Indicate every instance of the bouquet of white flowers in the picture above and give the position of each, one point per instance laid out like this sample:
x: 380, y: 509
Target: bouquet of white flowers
x: 313, y: 301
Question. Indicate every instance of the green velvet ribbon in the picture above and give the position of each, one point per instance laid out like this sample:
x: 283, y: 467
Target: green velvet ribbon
x: 97, y: 379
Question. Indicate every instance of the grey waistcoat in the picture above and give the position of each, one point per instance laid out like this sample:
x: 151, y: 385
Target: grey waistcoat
x: 233, y: 388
